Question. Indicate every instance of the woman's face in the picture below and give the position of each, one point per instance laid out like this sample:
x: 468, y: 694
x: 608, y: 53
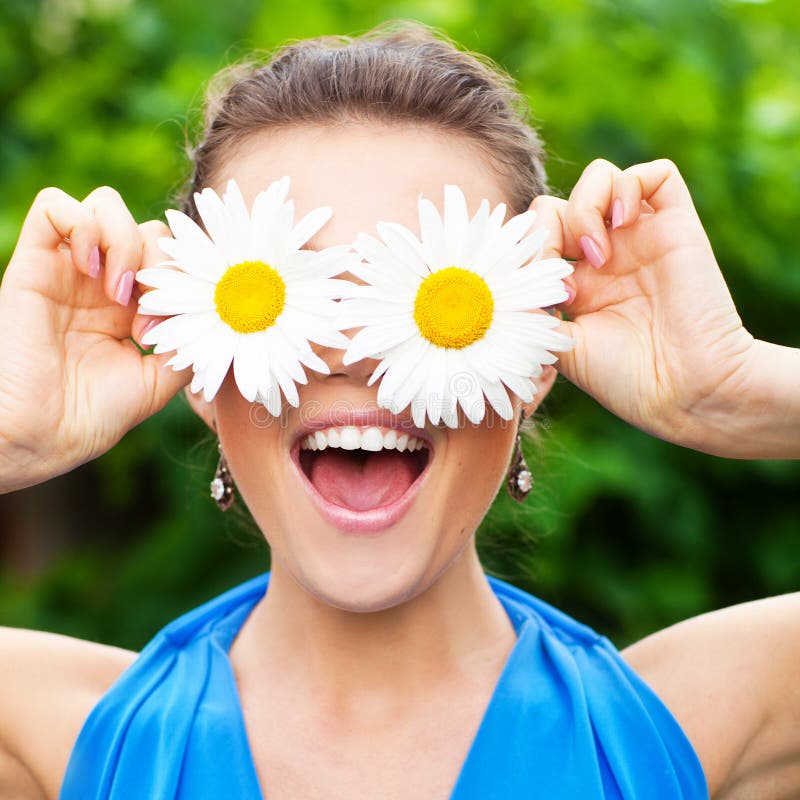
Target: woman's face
x: 360, y: 530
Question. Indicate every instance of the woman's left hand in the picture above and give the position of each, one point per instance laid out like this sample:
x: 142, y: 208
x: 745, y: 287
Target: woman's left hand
x: 658, y: 339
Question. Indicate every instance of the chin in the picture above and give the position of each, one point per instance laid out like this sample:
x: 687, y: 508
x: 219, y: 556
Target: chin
x: 346, y: 592
x: 363, y: 573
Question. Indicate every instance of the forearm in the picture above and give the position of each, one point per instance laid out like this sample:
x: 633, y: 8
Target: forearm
x: 761, y: 418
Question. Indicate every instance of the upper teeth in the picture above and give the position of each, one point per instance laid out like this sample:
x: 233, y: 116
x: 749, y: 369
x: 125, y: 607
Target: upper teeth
x: 350, y: 437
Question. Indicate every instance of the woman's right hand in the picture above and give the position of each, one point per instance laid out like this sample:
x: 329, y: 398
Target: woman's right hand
x: 72, y: 382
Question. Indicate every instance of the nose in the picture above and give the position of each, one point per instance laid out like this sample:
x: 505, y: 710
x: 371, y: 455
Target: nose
x: 357, y: 372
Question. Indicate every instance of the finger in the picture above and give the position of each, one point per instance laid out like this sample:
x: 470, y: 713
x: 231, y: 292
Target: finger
x: 627, y: 205
x: 570, y: 362
x: 120, y: 242
x: 660, y: 185
x: 55, y: 217
x: 551, y: 214
x: 559, y: 242
x: 162, y: 382
x: 589, y: 206
x: 151, y: 231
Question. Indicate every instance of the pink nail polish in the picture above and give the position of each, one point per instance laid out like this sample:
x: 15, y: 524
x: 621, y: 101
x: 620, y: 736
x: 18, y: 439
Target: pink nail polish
x: 617, y: 214
x: 94, y: 262
x: 150, y: 325
x: 592, y: 251
x: 124, y: 288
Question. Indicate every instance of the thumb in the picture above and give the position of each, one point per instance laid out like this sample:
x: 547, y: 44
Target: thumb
x: 161, y: 382
x: 572, y: 363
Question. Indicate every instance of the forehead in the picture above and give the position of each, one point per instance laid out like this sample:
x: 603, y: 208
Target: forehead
x: 366, y: 172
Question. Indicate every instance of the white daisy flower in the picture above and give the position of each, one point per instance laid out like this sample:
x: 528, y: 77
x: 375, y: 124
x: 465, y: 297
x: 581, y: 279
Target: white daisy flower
x: 448, y: 314
x: 245, y: 294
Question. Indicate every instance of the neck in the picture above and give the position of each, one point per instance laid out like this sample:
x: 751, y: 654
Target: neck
x: 447, y: 632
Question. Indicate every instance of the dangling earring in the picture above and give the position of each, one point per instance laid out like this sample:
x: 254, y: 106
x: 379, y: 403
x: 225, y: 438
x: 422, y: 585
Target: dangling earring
x: 222, y: 485
x: 519, y: 481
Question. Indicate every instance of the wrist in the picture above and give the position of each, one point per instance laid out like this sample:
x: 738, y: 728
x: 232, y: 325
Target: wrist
x: 20, y: 467
x: 772, y: 402
x: 756, y: 414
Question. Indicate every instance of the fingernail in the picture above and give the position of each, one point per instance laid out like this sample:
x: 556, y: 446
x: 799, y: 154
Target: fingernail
x: 94, y: 262
x: 570, y: 294
x: 592, y: 252
x: 124, y: 288
x: 617, y: 214
x: 151, y: 324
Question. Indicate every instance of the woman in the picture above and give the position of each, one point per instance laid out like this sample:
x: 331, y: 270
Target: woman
x: 387, y: 665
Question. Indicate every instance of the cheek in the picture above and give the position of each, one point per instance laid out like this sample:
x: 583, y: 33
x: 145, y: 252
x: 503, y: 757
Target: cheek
x: 253, y: 444
x: 475, y: 468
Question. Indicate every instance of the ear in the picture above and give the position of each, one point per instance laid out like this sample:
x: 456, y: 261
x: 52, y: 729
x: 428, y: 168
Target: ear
x: 202, y: 408
x: 544, y: 383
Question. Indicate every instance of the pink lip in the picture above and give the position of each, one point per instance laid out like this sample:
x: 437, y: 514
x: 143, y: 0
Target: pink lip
x: 346, y: 519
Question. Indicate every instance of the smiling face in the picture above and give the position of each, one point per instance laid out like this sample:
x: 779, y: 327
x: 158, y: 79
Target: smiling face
x: 363, y: 510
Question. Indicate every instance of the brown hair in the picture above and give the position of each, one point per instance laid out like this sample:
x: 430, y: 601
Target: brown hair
x: 395, y: 72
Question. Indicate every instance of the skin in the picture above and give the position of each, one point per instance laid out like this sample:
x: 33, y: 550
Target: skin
x: 392, y: 648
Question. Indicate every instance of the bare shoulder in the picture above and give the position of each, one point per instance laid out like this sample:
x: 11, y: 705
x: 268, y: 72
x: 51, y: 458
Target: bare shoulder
x: 48, y: 685
x: 730, y: 679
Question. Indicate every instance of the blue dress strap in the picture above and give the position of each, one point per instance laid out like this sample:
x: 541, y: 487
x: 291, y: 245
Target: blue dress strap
x: 568, y: 718
x: 171, y: 725
x: 571, y: 719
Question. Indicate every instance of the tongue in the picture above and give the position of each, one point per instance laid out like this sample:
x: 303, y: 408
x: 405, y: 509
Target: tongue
x: 362, y: 481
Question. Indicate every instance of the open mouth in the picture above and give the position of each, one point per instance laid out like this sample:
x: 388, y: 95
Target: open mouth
x: 362, y: 476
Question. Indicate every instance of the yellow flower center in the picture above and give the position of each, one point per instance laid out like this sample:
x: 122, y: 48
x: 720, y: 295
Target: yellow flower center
x: 250, y: 296
x: 453, y: 307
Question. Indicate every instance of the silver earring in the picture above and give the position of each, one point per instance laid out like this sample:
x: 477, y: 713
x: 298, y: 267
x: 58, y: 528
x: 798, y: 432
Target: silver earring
x: 222, y: 485
x: 519, y: 481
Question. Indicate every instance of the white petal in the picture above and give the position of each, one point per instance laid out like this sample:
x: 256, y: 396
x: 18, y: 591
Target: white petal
x: 527, y: 289
x: 411, y: 384
x: 248, y: 364
x: 432, y: 236
x: 492, y: 231
x: 160, y: 301
x: 309, y: 225
x: 179, y: 330
x: 523, y: 388
x: 214, y: 216
x: 240, y: 231
x: 313, y: 361
x: 271, y: 240
x: 383, y: 268
x: 269, y: 392
x: 435, y: 383
x: 510, y: 259
x: 195, y: 252
x: 498, y: 398
x: 172, y: 280
x: 456, y: 220
x: 536, y: 328
x: 465, y: 385
x: 286, y: 383
x: 476, y: 233
x: 373, y: 340
x: 217, y: 342
x: 402, y: 359
x: 216, y: 372
x: 299, y: 327
x: 404, y: 246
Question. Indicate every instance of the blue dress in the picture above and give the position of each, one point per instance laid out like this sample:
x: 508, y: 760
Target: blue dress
x: 568, y: 718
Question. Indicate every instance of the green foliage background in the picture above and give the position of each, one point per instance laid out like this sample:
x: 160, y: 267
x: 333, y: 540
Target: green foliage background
x: 627, y: 533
